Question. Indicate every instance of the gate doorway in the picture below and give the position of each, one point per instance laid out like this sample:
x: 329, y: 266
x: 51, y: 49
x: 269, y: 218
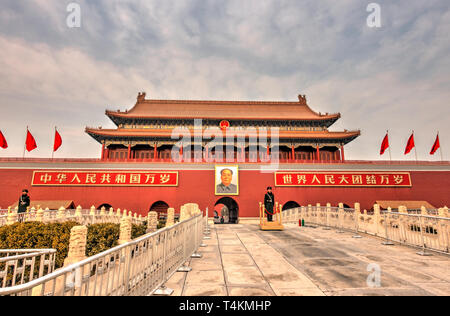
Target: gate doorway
x: 227, y: 210
x: 160, y: 207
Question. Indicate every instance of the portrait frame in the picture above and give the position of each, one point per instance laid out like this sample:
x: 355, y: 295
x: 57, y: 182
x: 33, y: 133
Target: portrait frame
x: 217, y: 179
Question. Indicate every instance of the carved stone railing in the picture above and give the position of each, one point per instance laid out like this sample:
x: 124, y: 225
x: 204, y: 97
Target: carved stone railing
x: 80, y: 215
x: 428, y: 229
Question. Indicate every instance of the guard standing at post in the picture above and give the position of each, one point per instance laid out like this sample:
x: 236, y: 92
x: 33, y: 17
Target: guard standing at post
x: 269, y: 202
x: 24, y: 203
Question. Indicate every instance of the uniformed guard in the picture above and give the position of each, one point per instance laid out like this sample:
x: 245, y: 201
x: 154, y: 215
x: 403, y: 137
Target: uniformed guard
x: 24, y: 202
x: 269, y: 202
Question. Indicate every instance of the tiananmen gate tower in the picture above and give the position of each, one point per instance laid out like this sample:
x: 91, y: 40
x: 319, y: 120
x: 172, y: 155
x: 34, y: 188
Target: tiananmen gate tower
x: 166, y: 153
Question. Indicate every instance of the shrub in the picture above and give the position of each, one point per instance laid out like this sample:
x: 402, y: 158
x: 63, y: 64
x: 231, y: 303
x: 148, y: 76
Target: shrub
x: 36, y: 235
x: 101, y: 237
x: 138, y: 230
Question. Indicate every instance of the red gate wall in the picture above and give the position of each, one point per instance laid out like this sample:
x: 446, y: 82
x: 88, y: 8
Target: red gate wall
x: 198, y: 186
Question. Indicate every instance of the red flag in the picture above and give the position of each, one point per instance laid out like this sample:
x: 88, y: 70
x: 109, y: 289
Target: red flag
x: 436, y: 146
x: 30, y: 142
x: 385, y: 144
x: 3, y: 143
x: 410, y: 144
x: 58, y: 141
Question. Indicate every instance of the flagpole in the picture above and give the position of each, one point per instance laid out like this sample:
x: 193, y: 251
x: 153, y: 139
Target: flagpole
x: 25, y: 144
x: 54, y: 139
x: 390, y: 155
x: 415, y: 146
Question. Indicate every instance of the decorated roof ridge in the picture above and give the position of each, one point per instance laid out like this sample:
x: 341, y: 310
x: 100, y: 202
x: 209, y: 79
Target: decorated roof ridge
x: 138, y: 110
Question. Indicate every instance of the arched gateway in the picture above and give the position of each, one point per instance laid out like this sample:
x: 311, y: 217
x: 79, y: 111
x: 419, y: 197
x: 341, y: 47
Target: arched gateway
x: 229, y: 209
x: 160, y: 207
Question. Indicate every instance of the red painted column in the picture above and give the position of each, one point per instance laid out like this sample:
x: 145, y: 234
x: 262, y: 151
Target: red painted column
x: 155, y: 151
x: 342, y: 154
x: 129, y: 151
x: 103, y: 152
x: 293, y: 153
x: 318, y: 153
x: 107, y: 154
x: 181, y: 153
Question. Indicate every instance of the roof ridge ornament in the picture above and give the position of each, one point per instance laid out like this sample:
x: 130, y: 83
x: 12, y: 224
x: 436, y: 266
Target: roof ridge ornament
x: 141, y: 96
x: 302, y: 99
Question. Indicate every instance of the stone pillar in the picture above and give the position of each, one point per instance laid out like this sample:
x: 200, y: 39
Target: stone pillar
x: 79, y: 211
x: 402, y: 209
x: 92, y: 212
x: 443, y: 212
x: 40, y: 215
x: 357, y: 214
x: 341, y: 215
x: 423, y: 210
x: 183, y: 213
x: 118, y: 213
x: 61, y: 215
x: 377, y: 220
x: 125, y: 213
x: 111, y: 212
x: 77, y: 245
x: 318, y: 214
x: 170, y: 217
x: 103, y: 211
x: 152, y: 222
x: 12, y: 217
x: 125, y: 230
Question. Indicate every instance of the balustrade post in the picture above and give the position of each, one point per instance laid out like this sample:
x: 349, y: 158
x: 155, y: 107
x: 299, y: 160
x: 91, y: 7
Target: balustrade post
x: 152, y: 222
x: 12, y: 217
x: 125, y: 230
x: 77, y: 245
x: 341, y: 215
x: 207, y: 231
x: 357, y: 216
x: 61, y: 215
x: 170, y: 221
x: 40, y: 215
x: 443, y: 224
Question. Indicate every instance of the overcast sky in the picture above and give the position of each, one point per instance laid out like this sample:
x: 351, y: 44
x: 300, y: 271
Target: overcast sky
x: 394, y: 78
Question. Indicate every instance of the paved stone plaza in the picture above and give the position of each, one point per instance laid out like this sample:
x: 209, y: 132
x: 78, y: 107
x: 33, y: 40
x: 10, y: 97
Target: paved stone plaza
x: 241, y: 260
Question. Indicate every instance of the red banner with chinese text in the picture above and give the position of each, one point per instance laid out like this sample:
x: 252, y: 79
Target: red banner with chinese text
x: 343, y: 179
x: 105, y: 178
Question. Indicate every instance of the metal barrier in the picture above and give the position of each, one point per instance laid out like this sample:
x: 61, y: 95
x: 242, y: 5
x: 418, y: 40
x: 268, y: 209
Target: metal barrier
x: 18, y: 266
x: 428, y: 232
x: 135, y: 268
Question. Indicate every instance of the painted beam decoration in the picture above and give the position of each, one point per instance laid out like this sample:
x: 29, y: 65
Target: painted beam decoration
x: 106, y: 178
x: 343, y: 179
